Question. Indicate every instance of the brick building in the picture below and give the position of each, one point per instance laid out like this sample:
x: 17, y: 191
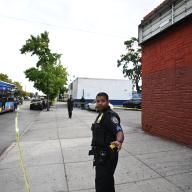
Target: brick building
x: 165, y: 35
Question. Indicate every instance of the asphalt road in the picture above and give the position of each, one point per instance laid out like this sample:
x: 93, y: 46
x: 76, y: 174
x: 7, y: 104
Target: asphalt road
x: 130, y: 118
x: 7, y: 124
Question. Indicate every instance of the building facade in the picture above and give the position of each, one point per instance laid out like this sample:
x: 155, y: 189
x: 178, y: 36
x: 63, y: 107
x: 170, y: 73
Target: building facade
x: 165, y: 35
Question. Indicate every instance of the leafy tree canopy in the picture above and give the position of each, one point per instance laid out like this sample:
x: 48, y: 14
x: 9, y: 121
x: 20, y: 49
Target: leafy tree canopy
x: 49, y: 76
x: 4, y: 77
x: 131, y: 62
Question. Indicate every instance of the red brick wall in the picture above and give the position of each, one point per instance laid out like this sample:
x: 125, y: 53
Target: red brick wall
x: 167, y: 84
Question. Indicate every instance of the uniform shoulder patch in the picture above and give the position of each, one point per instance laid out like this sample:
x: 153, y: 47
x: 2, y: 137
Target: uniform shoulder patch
x: 114, y: 120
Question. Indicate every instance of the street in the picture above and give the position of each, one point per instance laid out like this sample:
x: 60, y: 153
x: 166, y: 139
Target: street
x: 27, y: 117
x: 95, y: 96
x: 55, y: 150
x: 131, y: 119
x: 7, y: 124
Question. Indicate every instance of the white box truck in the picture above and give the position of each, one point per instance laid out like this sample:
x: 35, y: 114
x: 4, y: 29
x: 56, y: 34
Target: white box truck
x: 117, y: 89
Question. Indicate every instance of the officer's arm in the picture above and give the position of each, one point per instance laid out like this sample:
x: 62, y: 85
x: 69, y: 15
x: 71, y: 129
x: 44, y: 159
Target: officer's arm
x: 120, y: 136
x: 119, y: 140
x: 118, y: 131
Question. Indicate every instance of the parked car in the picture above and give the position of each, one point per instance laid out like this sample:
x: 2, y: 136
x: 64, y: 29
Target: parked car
x: 27, y: 98
x: 36, y: 104
x: 92, y: 106
x: 135, y: 102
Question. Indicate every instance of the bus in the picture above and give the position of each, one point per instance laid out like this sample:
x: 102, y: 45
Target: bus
x: 7, y: 102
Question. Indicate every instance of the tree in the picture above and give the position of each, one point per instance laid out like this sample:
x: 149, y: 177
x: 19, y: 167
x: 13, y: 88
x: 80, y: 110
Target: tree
x: 63, y: 90
x: 31, y: 95
x: 4, y: 77
x: 48, y: 75
x: 18, y: 85
x: 131, y: 62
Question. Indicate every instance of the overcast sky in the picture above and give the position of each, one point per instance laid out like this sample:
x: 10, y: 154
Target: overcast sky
x: 89, y: 33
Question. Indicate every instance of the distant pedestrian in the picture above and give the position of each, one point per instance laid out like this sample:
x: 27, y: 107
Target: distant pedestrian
x: 44, y: 104
x: 70, y: 106
x: 15, y: 103
x: 82, y: 102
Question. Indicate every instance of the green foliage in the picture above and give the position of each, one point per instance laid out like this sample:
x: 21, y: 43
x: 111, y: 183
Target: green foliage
x: 18, y: 85
x: 49, y: 76
x: 4, y: 77
x: 131, y: 62
x: 63, y: 90
x: 31, y: 95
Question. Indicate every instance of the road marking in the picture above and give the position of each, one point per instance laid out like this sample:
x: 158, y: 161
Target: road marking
x: 22, y: 163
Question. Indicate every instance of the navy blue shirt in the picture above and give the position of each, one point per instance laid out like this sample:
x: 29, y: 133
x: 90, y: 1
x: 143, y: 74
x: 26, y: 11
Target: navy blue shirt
x: 110, y: 121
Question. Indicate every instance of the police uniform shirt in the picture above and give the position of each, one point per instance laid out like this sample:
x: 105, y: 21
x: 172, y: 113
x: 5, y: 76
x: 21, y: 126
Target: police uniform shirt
x: 114, y: 122
x: 110, y: 121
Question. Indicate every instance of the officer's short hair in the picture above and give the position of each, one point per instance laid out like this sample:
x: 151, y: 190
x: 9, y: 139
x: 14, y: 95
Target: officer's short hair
x: 103, y: 94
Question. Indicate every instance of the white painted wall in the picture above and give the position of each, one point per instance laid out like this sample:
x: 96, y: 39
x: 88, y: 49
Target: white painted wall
x: 116, y: 89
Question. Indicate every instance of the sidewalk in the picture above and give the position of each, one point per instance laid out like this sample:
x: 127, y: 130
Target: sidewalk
x: 56, y: 155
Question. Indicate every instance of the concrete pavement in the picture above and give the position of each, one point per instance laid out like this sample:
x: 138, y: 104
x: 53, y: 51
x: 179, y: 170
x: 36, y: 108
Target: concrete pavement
x: 56, y: 154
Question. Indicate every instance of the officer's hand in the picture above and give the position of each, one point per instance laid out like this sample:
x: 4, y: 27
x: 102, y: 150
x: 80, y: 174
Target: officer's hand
x: 117, y: 144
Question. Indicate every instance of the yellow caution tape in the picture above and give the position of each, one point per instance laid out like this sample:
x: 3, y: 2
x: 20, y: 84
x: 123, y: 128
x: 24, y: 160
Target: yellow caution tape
x: 22, y: 164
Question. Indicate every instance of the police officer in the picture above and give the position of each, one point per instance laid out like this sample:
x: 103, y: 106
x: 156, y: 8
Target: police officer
x: 107, y: 139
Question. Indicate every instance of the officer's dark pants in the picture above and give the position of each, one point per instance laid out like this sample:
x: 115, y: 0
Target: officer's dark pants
x: 104, y: 181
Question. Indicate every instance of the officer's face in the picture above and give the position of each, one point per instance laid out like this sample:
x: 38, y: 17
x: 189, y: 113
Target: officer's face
x: 101, y: 102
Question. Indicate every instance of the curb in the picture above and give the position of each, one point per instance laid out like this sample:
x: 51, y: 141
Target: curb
x: 130, y: 109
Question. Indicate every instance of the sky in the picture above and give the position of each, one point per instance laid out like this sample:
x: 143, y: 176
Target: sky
x: 89, y: 34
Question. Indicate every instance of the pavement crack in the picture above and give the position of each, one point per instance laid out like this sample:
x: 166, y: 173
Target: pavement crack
x: 154, y: 170
x: 63, y: 159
